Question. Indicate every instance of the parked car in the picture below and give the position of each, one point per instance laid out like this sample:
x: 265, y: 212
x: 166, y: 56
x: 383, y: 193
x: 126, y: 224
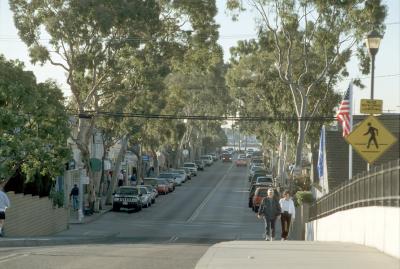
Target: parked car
x: 256, y: 162
x: 179, y: 178
x: 171, y: 179
x: 255, y: 169
x: 192, y: 167
x: 200, y: 164
x: 260, y: 173
x: 162, y: 186
x: 188, y: 173
x: 252, y: 191
x: 154, y: 192
x: 146, y: 196
x: 241, y: 160
x: 207, y: 159
x: 268, y: 180
x: 182, y: 172
x: 259, y: 194
x: 150, y: 181
x: 214, y: 156
x: 128, y: 197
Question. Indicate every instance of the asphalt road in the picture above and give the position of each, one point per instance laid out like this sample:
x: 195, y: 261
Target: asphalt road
x: 173, y: 233
x: 211, y: 207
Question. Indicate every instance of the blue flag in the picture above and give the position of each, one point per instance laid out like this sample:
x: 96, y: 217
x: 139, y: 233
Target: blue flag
x: 321, y: 157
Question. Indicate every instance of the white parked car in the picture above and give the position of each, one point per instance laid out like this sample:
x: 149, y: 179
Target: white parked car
x: 179, y: 178
x: 154, y: 192
x: 192, y: 167
x: 207, y: 159
x: 145, y: 196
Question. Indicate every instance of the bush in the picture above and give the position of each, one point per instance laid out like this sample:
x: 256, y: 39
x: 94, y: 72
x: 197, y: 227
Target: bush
x: 303, y: 197
x: 57, y: 197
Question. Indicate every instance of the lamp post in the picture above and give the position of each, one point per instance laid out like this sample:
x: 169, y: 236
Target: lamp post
x: 372, y: 40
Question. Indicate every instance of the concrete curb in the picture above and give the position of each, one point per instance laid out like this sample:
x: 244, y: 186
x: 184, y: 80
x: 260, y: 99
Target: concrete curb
x: 52, y: 241
x: 92, y: 218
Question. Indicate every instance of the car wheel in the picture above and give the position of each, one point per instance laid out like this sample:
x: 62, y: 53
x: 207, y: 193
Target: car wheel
x: 154, y: 201
x: 116, y: 208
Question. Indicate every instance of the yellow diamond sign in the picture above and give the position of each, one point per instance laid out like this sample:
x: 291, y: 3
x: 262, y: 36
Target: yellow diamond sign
x: 370, y: 139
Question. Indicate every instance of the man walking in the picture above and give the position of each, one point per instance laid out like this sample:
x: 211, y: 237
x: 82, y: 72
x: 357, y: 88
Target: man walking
x: 269, y: 210
x: 75, y: 197
x: 4, y: 204
x: 288, y: 213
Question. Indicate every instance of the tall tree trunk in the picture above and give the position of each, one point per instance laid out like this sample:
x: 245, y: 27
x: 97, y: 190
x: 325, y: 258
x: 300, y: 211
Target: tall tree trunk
x: 155, y: 162
x: 85, y: 128
x: 116, y: 169
x: 301, y: 133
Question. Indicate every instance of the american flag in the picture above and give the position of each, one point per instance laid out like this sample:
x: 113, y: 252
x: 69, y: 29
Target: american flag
x: 343, y: 115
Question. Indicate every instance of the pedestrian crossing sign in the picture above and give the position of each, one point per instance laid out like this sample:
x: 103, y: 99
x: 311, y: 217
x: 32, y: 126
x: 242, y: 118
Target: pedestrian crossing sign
x: 370, y: 139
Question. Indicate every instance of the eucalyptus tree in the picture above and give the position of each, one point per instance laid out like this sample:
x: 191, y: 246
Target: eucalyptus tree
x: 34, y: 126
x: 312, y: 41
x: 85, y: 39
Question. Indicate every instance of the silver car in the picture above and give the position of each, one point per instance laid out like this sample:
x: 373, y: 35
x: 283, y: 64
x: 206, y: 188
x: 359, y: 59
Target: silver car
x: 145, y: 196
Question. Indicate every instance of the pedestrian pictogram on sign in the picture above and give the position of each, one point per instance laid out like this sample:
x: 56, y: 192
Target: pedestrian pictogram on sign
x: 370, y: 139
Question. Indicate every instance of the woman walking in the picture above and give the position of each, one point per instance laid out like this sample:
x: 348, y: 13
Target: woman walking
x: 288, y: 213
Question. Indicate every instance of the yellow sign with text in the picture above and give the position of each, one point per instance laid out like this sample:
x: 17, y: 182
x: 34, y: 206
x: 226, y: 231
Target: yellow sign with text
x: 370, y: 139
x: 369, y: 106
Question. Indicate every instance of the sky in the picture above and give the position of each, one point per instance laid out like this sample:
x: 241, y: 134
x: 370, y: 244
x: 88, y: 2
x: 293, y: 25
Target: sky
x: 387, y: 63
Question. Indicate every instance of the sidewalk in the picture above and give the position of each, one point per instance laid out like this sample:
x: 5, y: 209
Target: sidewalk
x: 294, y: 254
x: 88, y: 219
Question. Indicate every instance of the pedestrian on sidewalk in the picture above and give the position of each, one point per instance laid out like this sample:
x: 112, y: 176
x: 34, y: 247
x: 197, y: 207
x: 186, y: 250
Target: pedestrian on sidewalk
x: 4, y: 204
x: 269, y: 210
x: 288, y: 213
x: 121, y: 178
x: 74, y: 195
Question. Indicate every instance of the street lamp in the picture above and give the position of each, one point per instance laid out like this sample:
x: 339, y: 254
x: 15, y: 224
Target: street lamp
x: 372, y: 40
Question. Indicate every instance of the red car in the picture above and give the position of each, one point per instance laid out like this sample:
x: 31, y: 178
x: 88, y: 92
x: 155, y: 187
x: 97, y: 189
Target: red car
x: 162, y: 186
x: 259, y: 195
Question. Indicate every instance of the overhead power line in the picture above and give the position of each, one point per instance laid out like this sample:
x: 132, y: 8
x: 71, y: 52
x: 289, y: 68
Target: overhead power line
x: 91, y: 114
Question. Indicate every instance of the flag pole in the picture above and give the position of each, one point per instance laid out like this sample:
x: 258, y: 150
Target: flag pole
x: 351, y: 128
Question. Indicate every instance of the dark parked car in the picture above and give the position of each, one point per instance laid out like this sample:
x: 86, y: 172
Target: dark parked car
x: 127, y: 197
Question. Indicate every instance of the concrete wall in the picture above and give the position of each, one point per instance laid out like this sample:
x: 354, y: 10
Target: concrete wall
x: 373, y: 226
x: 33, y: 216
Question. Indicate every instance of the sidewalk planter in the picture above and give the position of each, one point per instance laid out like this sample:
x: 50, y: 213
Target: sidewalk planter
x: 33, y: 216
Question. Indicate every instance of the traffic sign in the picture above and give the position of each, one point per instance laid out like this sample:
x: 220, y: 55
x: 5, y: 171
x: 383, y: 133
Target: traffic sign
x: 371, y: 106
x: 145, y: 158
x: 370, y: 139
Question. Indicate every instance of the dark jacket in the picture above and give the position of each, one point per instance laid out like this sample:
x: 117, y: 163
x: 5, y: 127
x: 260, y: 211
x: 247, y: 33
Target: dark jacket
x: 74, y: 191
x: 269, y: 208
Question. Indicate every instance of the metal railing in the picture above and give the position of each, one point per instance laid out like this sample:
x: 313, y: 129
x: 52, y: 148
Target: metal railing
x: 379, y: 187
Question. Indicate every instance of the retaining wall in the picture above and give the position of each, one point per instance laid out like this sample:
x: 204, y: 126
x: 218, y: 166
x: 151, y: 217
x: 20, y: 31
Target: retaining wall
x: 33, y: 216
x: 373, y: 226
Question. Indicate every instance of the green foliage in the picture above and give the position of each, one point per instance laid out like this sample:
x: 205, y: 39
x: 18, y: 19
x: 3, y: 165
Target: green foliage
x: 302, y: 197
x: 57, y: 197
x: 33, y: 126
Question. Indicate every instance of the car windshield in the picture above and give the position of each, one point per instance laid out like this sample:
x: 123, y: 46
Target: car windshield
x: 264, y: 179
x: 262, y: 192
x: 189, y: 165
x: 166, y: 175
x: 128, y: 191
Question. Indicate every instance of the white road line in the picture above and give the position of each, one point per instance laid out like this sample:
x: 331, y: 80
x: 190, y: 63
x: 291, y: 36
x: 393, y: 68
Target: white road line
x: 12, y: 256
x: 208, y: 197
